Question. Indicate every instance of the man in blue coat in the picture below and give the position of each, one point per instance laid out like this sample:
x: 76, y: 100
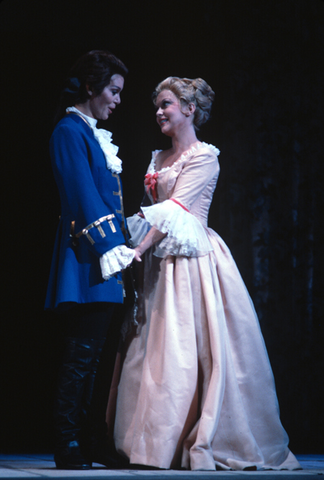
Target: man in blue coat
x: 90, y: 252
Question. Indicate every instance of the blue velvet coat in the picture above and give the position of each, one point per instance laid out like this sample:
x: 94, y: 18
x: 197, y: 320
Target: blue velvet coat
x: 88, y: 192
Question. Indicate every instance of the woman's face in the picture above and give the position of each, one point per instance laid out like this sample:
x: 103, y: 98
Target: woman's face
x: 101, y: 106
x: 169, y: 114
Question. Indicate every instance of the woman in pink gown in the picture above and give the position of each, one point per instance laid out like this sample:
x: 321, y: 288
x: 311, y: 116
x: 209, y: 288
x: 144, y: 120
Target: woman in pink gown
x: 196, y: 389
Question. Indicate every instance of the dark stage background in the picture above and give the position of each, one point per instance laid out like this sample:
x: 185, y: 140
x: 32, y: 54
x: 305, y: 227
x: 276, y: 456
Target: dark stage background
x: 264, y: 59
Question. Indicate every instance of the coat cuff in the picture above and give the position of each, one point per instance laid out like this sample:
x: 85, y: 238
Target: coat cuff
x: 88, y: 230
x: 101, y: 235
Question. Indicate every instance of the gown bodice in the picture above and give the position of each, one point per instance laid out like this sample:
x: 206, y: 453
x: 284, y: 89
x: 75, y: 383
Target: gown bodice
x: 196, y: 163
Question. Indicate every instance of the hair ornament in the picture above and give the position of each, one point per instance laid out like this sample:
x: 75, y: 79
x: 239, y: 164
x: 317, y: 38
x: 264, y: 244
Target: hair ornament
x: 72, y: 85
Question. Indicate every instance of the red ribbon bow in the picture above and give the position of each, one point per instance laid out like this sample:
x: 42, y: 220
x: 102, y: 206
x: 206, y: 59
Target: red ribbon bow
x: 150, y: 183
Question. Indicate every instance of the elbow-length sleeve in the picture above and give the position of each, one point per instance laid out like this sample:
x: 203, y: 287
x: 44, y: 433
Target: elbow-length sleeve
x: 186, y: 236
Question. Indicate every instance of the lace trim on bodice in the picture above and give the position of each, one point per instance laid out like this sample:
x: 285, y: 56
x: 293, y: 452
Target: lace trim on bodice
x: 183, y: 156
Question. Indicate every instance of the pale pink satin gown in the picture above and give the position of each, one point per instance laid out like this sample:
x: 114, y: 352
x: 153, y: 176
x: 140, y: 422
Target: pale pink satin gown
x: 196, y: 389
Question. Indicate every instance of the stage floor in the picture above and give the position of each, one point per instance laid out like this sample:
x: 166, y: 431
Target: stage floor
x: 34, y: 466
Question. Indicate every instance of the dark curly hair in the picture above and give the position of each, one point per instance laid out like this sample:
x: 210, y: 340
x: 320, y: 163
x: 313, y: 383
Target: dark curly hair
x: 94, y: 69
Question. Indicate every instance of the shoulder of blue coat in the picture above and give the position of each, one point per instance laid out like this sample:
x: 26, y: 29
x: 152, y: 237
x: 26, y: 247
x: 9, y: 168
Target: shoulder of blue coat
x: 74, y: 122
x: 71, y: 125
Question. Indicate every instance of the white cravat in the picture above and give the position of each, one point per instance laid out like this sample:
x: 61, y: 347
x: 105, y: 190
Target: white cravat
x: 104, y: 138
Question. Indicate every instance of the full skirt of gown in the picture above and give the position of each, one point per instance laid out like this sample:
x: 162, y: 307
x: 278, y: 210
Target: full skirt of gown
x: 196, y: 389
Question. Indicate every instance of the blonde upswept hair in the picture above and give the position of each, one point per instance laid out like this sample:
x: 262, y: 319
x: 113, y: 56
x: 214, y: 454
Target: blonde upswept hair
x: 188, y: 90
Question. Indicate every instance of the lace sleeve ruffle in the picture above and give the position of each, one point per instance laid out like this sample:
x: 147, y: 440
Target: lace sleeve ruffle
x: 185, y: 234
x: 115, y: 260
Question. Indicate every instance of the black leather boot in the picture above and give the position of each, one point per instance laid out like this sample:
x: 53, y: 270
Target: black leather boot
x: 69, y: 457
x: 100, y: 447
x: 73, y: 377
x: 97, y: 447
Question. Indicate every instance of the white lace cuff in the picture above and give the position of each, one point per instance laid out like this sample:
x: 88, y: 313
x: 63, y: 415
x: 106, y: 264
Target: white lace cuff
x: 185, y: 234
x: 138, y: 227
x: 115, y: 260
